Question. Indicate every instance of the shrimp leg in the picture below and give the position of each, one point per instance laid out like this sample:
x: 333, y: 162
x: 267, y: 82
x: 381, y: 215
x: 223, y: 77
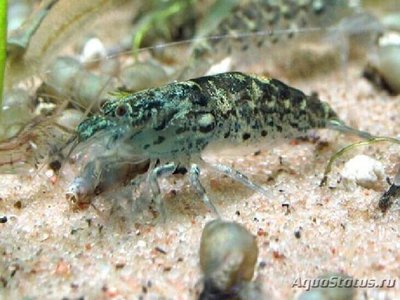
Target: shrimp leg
x: 194, y: 174
x: 154, y: 175
x: 243, y: 179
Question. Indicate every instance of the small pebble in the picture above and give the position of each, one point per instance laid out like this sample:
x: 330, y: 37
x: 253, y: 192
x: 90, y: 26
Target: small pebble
x: 18, y: 12
x: 363, y: 170
x: 93, y: 51
x: 221, y: 67
x: 384, y: 68
x: 18, y: 204
x: 228, y: 255
x: 141, y: 244
x: 162, y: 251
x: 17, y: 97
x: 16, y: 113
x: 110, y: 66
x: 70, y: 118
x: 119, y: 265
x: 297, y: 233
x: 68, y: 78
x: 141, y: 76
x: 62, y: 73
x: 392, y: 21
x: 389, y: 64
x: 318, y: 6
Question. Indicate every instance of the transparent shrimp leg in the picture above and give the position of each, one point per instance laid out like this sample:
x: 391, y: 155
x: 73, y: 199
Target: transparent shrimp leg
x: 154, y: 175
x: 194, y: 174
x: 238, y: 176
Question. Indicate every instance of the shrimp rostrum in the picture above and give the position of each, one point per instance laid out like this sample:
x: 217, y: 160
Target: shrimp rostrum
x: 170, y: 126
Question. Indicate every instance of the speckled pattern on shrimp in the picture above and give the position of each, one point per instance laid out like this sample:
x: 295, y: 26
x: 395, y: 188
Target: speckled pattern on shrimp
x: 180, y: 119
x: 174, y: 123
x: 252, y: 25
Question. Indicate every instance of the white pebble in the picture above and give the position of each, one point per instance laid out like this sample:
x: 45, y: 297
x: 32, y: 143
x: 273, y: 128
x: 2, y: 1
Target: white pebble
x: 93, y: 51
x: 141, y: 244
x: 390, y: 39
x: 70, y: 118
x: 49, y: 173
x: 221, y: 67
x: 363, y: 170
x: 18, y: 12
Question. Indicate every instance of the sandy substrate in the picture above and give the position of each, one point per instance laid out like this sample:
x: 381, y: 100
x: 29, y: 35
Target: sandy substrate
x: 49, y: 252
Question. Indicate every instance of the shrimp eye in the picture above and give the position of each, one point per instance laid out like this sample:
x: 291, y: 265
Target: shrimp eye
x: 121, y: 110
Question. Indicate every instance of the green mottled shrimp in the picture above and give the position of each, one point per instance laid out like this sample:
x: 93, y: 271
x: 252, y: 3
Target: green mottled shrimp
x: 170, y: 126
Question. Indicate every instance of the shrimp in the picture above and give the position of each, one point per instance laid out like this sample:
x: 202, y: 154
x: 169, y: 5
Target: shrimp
x: 35, y: 141
x: 170, y: 126
x: 255, y: 25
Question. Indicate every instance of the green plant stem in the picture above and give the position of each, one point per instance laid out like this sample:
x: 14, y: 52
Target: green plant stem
x: 3, y: 47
